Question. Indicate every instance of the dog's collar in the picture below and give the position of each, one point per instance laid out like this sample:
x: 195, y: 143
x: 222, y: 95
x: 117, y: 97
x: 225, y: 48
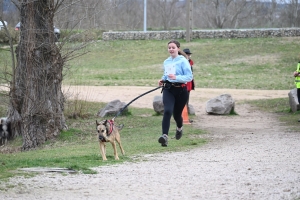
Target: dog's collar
x: 111, y: 127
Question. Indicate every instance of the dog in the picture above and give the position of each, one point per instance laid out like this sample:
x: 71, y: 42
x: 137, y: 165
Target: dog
x: 108, y: 132
x: 5, y: 130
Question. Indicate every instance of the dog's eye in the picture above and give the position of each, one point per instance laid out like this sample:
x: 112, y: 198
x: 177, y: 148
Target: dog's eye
x: 102, y: 131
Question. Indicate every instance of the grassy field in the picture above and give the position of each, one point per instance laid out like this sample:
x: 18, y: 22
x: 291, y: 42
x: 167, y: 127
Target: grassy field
x: 78, y: 147
x: 253, y: 63
x: 260, y: 63
x: 257, y: 63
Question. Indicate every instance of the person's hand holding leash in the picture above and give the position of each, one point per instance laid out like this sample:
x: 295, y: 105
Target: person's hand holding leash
x: 160, y: 82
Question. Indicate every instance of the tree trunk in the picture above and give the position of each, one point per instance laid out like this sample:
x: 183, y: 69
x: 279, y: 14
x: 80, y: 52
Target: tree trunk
x: 36, y: 109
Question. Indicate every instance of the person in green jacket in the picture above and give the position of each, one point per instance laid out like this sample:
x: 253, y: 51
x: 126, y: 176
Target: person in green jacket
x: 297, y: 82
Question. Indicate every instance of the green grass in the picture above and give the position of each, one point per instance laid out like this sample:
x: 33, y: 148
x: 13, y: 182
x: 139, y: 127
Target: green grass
x: 251, y: 63
x: 254, y: 63
x: 78, y: 148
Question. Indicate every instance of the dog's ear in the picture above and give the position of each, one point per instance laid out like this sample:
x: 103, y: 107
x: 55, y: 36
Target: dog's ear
x: 105, y: 122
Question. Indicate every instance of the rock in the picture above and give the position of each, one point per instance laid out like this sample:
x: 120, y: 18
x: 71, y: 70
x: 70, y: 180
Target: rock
x: 47, y: 169
x: 158, y: 105
x: 191, y: 110
x: 221, y: 105
x: 112, y: 108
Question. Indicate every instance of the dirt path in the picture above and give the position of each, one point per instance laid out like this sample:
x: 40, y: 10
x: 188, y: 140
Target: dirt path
x: 249, y: 156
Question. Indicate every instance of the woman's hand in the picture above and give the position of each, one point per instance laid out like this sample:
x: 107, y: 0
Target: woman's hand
x: 296, y: 73
x: 160, y: 82
x: 172, y: 76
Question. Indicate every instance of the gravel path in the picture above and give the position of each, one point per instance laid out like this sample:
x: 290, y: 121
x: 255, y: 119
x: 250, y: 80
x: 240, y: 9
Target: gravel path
x: 249, y: 156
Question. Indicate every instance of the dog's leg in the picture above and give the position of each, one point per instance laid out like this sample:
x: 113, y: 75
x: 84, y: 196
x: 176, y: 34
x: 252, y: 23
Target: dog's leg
x: 102, y: 150
x: 5, y: 137
x: 113, y: 143
x: 118, y: 139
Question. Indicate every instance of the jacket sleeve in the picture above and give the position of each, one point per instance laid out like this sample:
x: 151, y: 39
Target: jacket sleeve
x: 186, y: 74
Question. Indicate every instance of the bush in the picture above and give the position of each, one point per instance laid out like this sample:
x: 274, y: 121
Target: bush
x: 71, y: 35
x: 14, y: 34
x: 81, y: 35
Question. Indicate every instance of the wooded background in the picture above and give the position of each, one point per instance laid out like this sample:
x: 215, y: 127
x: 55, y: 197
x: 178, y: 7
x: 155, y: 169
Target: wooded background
x: 168, y: 14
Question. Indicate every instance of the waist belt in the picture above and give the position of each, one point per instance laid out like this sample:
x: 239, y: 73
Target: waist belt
x: 167, y: 85
x: 178, y: 84
x: 170, y: 84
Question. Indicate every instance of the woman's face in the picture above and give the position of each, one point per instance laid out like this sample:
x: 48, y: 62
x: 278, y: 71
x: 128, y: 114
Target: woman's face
x: 173, y: 50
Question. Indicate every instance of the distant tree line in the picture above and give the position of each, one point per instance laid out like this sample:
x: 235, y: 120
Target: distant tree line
x: 170, y: 14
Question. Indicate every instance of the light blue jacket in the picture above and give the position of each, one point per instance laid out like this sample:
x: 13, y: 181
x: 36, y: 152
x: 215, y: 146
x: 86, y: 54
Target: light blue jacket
x: 182, y: 67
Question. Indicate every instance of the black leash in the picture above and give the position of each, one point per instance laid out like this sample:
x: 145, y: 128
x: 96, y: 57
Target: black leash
x: 134, y: 100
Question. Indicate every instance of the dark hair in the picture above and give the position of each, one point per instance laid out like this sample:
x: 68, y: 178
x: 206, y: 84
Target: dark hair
x: 180, y: 52
x: 175, y: 42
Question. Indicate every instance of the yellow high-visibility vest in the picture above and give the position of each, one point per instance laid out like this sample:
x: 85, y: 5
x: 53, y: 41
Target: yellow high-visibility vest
x: 297, y: 78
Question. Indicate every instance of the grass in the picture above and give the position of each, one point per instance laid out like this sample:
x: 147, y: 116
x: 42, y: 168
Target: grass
x: 78, y: 148
x: 253, y: 63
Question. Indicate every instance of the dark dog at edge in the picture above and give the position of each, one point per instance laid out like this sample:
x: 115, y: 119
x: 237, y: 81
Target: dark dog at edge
x: 108, y: 132
x: 5, y: 130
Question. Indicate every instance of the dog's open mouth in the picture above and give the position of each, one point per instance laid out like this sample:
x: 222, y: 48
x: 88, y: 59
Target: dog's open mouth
x: 102, y: 138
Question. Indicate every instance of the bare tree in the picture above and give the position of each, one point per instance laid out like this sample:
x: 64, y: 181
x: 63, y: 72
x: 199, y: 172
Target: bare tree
x: 130, y: 15
x: 223, y: 13
x: 165, y: 12
x: 100, y: 14
x: 271, y: 14
x: 36, y: 99
x: 291, y: 13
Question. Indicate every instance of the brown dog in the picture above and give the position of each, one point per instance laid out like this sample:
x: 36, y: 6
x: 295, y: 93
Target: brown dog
x: 108, y: 132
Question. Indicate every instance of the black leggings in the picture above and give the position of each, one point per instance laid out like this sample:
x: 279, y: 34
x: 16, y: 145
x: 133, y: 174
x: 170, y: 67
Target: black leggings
x: 174, y: 100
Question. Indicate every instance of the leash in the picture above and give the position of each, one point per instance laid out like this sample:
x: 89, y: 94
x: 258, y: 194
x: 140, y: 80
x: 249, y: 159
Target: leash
x: 134, y: 100
x: 111, y: 122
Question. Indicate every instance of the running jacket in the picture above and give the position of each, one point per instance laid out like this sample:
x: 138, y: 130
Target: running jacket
x: 297, y: 78
x: 182, y: 67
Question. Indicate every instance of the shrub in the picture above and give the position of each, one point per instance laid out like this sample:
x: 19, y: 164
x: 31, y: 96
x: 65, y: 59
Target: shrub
x: 14, y: 34
x: 81, y: 35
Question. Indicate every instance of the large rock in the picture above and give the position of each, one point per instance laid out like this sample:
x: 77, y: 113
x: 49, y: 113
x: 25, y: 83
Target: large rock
x: 221, y: 105
x: 112, y: 108
x: 158, y: 105
x: 191, y: 110
x: 293, y: 100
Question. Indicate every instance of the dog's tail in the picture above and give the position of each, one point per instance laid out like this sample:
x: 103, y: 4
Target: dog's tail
x: 120, y: 127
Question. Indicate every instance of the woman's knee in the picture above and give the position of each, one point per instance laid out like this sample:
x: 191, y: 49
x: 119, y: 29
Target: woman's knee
x: 168, y: 112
